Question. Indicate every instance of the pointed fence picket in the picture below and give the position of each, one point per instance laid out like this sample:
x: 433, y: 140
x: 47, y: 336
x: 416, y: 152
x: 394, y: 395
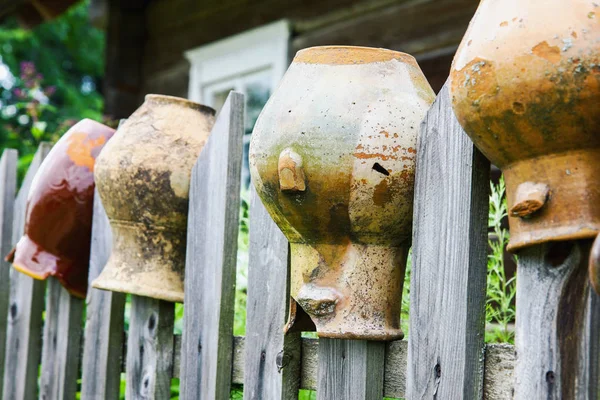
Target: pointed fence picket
x: 26, y: 304
x: 444, y: 356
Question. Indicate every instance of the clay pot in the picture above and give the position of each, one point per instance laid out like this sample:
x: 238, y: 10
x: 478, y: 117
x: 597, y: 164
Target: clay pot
x: 58, y: 222
x: 332, y: 158
x: 525, y: 85
x: 143, y: 179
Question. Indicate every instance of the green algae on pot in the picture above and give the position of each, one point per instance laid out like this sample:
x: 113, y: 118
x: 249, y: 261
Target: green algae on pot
x: 332, y: 157
x: 143, y: 179
x: 525, y: 85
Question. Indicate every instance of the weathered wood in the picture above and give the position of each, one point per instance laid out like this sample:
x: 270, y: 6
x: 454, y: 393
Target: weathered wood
x: 105, y: 318
x: 24, y: 322
x: 396, y: 358
x: 8, y: 187
x: 350, y: 369
x: 414, y: 26
x: 125, y: 45
x: 150, y: 349
x: 61, y: 343
x: 498, y: 382
x: 447, y: 292
x: 272, y: 360
x: 499, y: 372
x: 211, y: 258
x: 558, y: 329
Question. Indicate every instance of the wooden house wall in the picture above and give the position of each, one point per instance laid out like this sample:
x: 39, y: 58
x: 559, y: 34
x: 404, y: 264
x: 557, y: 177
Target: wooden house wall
x: 429, y: 29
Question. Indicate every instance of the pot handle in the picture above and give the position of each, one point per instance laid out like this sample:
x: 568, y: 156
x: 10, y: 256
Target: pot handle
x: 594, y: 267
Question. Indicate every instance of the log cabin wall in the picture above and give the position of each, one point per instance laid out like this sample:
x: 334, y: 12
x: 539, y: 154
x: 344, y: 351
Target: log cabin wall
x: 429, y: 29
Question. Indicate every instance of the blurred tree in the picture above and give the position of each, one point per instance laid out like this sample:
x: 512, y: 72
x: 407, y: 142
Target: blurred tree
x: 49, y: 79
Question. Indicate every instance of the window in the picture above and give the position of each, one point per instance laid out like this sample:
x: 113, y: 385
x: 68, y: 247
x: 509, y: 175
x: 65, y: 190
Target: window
x: 252, y: 63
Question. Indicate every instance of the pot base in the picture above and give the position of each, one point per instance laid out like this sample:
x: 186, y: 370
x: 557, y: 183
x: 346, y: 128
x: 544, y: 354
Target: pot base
x: 114, y: 285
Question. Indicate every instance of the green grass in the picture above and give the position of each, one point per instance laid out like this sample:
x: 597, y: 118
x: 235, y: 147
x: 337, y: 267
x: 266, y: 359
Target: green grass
x: 500, y: 305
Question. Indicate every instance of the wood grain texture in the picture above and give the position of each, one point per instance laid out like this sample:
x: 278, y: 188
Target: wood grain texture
x: 414, y: 26
x: 272, y: 368
x: 211, y: 258
x: 499, y: 372
x: 411, y: 26
x: 8, y: 187
x: 26, y: 304
x: 350, y: 369
x: 61, y: 343
x: 150, y: 349
x: 498, y: 382
x: 105, y: 319
x: 557, y: 327
x: 448, y: 282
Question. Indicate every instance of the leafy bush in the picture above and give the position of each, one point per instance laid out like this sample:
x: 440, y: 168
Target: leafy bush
x: 48, y: 80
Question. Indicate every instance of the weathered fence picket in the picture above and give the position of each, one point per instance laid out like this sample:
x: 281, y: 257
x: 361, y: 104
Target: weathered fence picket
x: 26, y: 304
x: 272, y: 364
x: 8, y: 187
x: 150, y: 349
x: 62, y: 340
x: 211, y: 258
x: 447, y: 292
x: 558, y: 333
x: 350, y: 369
x: 103, y: 344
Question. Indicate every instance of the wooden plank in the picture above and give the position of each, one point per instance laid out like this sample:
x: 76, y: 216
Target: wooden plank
x: 211, y: 258
x: 499, y: 372
x: 448, y: 282
x: 272, y: 360
x: 150, y: 349
x: 105, y: 320
x: 413, y: 26
x: 26, y: 299
x: 125, y: 37
x: 61, y: 343
x: 350, y: 369
x: 8, y: 188
x: 498, y: 382
x: 557, y: 333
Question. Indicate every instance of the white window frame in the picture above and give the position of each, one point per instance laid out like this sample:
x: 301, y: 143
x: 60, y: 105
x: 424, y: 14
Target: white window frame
x: 227, y: 60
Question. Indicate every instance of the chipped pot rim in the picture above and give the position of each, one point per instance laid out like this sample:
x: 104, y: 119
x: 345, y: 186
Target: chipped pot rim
x: 165, y: 99
x: 350, y: 55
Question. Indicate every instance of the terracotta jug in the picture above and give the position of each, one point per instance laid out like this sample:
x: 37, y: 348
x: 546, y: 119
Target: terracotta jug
x: 143, y: 179
x: 58, y: 222
x: 525, y: 85
x: 332, y: 157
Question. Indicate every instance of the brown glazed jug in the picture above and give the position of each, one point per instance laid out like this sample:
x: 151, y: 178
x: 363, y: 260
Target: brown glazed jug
x: 525, y: 86
x: 143, y: 179
x: 58, y: 222
x: 332, y: 157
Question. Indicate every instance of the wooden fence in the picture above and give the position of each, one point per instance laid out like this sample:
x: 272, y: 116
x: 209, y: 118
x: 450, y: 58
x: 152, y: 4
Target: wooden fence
x: 444, y: 358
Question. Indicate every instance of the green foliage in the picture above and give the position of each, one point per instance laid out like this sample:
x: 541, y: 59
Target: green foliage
x: 48, y: 80
x: 241, y: 284
x: 500, y: 306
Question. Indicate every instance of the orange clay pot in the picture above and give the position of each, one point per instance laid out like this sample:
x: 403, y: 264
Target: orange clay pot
x: 332, y: 158
x: 58, y: 222
x: 525, y: 86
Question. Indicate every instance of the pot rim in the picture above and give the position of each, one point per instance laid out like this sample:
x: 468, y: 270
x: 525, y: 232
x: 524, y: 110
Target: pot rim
x: 350, y: 55
x: 165, y: 99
